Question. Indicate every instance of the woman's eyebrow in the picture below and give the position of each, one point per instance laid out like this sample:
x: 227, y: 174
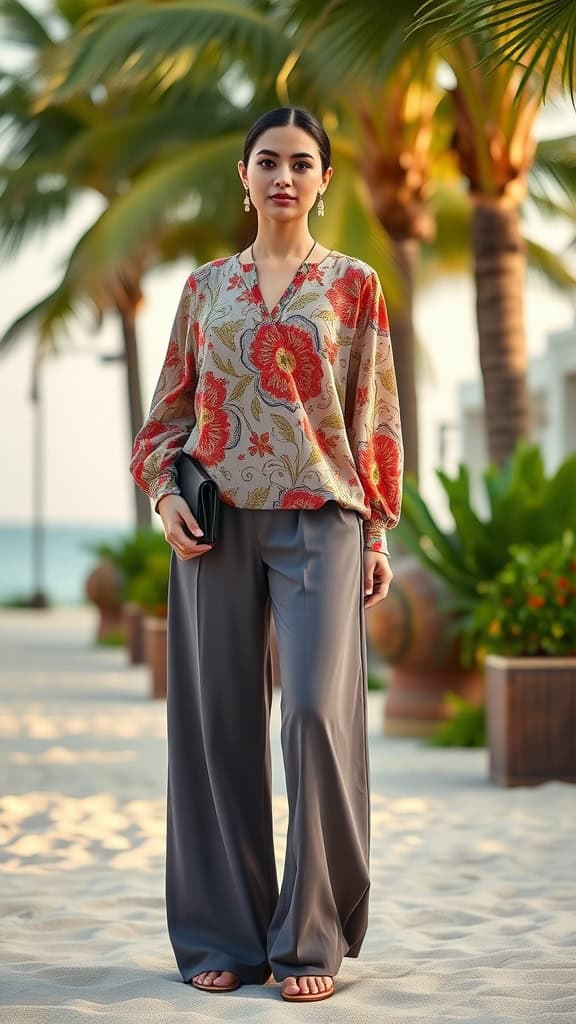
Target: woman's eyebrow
x: 271, y: 152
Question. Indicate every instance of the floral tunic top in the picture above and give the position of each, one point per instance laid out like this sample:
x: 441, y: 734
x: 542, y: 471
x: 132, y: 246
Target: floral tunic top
x: 286, y: 408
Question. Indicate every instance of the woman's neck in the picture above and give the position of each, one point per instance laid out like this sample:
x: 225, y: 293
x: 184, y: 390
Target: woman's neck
x: 276, y: 243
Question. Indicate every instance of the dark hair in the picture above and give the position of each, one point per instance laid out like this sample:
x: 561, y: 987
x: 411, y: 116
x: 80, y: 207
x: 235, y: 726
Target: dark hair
x: 282, y: 116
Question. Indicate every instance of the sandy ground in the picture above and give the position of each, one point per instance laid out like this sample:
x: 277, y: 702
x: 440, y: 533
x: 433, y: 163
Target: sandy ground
x: 473, y: 898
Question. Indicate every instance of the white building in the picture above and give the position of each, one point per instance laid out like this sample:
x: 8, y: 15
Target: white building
x: 552, y: 384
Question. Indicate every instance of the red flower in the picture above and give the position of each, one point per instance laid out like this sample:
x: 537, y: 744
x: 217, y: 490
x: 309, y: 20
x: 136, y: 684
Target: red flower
x: 260, y: 444
x: 344, y: 296
x: 213, y: 422
x: 315, y: 273
x: 562, y: 583
x: 289, y: 365
x: 185, y: 378
x: 325, y: 443
x: 535, y: 600
x: 362, y: 396
x: 300, y: 497
x: 330, y: 348
x: 249, y: 295
x: 379, y: 465
x: 379, y: 313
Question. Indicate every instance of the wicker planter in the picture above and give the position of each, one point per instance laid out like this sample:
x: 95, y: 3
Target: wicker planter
x: 531, y: 719
x: 155, y: 648
x: 134, y: 629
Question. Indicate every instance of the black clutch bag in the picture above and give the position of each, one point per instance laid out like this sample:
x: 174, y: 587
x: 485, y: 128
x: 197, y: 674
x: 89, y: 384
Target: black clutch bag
x: 200, y: 492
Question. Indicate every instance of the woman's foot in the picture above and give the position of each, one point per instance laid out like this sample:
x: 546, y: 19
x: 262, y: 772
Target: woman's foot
x: 216, y: 981
x: 307, y: 988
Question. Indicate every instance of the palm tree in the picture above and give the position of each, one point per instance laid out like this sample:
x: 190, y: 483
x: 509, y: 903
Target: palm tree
x: 63, y: 150
x: 494, y: 153
x: 538, y: 34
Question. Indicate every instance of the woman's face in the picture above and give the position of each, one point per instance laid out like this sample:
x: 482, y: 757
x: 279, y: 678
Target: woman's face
x: 284, y: 161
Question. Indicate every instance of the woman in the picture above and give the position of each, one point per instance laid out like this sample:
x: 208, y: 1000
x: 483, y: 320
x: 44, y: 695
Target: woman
x: 279, y: 379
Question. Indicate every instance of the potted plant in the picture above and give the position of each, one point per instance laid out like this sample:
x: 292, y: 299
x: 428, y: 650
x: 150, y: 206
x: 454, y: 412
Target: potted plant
x: 150, y: 591
x: 524, y: 630
x: 128, y: 556
x: 418, y: 629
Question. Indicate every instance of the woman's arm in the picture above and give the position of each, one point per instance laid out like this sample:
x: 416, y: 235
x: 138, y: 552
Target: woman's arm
x: 375, y: 432
x: 159, y: 441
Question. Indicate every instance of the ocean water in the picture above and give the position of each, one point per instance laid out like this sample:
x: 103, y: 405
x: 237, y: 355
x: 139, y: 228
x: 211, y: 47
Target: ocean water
x: 66, y: 560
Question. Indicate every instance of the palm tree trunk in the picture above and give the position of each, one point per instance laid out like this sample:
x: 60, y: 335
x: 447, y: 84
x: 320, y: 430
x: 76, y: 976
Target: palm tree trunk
x: 499, y: 268
x: 127, y: 312
x: 406, y: 252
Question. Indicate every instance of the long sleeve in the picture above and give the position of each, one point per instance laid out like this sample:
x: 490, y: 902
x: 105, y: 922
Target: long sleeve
x: 171, y: 417
x: 375, y: 433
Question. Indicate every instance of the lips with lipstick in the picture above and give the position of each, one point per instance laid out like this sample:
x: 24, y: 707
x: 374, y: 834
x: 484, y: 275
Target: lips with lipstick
x: 283, y: 197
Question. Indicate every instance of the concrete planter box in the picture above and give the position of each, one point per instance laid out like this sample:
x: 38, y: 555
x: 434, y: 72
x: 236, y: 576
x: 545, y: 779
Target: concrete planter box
x: 531, y: 720
x: 156, y: 653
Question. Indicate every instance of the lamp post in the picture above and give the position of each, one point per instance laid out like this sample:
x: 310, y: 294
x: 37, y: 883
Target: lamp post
x: 38, y: 598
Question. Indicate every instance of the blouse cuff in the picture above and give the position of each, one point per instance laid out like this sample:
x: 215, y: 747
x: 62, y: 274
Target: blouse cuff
x: 163, y: 485
x: 375, y: 538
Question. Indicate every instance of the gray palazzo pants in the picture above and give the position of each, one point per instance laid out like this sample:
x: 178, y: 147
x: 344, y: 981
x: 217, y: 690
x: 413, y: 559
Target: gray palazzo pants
x: 224, y: 910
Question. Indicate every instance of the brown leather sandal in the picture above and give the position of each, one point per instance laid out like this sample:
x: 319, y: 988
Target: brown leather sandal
x: 310, y: 997
x: 211, y: 987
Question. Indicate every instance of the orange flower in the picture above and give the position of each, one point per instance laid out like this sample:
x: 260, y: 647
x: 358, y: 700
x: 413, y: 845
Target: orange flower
x: 536, y: 600
x: 260, y: 444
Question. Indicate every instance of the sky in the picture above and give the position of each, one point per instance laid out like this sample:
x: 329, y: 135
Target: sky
x: 84, y: 434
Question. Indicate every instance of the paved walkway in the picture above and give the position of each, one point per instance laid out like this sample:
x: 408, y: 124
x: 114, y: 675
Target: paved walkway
x: 473, y: 895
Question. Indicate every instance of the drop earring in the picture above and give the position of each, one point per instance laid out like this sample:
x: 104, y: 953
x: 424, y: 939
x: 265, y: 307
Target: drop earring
x: 320, y: 207
x: 247, y: 201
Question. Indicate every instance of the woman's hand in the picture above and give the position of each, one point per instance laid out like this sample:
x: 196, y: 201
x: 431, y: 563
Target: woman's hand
x: 177, y: 519
x: 377, y: 577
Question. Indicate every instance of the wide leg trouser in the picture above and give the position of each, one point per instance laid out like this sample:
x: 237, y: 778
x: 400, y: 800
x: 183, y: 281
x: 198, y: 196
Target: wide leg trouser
x: 224, y: 910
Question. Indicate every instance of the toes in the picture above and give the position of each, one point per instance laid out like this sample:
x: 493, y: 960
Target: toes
x: 225, y: 978
x: 290, y: 985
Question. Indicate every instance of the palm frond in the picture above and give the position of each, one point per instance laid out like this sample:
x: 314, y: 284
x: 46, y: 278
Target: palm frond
x: 550, y: 267
x: 20, y: 25
x: 540, y: 35
x: 555, y: 162
x: 48, y: 319
x: 132, y: 39
x: 153, y: 198
x: 31, y: 200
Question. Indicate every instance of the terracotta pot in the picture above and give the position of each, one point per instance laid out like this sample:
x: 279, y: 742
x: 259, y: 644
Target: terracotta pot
x: 133, y: 618
x: 531, y: 720
x: 410, y: 631
x: 155, y: 648
x: 103, y: 587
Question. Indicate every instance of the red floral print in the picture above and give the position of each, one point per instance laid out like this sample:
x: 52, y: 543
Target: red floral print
x: 344, y: 296
x: 306, y: 393
x: 328, y: 445
x: 213, y: 422
x: 331, y: 349
x: 300, y: 497
x: 379, y: 464
x: 289, y: 365
x: 185, y: 378
x: 260, y: 444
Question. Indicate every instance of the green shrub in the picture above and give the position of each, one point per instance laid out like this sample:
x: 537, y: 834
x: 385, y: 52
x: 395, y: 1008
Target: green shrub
x: 149, y: 588
x: 130, y: 555
x: 524, y: 508
x: 466, y: 726
x: 530, y: 607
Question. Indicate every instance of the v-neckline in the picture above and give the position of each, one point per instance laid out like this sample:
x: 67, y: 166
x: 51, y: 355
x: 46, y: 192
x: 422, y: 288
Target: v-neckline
x: 300, y: 275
